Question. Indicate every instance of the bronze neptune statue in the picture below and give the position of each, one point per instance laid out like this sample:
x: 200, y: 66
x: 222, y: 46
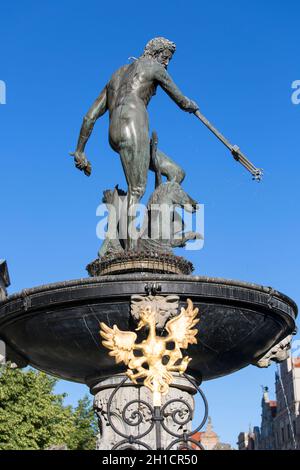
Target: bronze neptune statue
x: 126, y: 97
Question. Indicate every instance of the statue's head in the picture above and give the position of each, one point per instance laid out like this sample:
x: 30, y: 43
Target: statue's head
x: 160, y: 49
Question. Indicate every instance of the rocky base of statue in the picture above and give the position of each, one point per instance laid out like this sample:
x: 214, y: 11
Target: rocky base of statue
x: 135, y: 261
x: 127, y: 420
x: 162, y: 229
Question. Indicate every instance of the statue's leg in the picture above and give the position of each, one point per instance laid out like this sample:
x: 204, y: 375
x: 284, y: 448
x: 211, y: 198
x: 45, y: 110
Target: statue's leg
x: 135, y: 157
x: 168, y: 168
x: 129, y: 136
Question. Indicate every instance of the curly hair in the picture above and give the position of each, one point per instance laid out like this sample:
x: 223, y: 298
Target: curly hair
x: 156, y: 45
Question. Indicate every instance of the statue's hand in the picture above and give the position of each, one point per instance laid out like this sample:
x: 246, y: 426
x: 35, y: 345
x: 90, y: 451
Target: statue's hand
x: 81, y: 162
x: 191, y: 106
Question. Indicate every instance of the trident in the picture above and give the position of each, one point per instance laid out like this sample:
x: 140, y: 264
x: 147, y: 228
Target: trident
x: 257, y: 173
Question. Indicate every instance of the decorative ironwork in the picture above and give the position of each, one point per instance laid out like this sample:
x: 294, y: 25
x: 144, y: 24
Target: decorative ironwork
x: 158, y: 356
x: 157, y: 419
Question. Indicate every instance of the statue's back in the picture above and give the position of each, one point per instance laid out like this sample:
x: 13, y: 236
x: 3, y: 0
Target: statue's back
x: 114, y: 86
x: 133, y: 80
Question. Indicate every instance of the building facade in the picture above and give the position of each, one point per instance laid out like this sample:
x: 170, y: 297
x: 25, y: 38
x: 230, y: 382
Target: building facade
x: 210, y: 439
x: 4, y: 279
x: 247, y: 440
x: 280, y: 418
x: 287, y: 419
x: 4, y: 283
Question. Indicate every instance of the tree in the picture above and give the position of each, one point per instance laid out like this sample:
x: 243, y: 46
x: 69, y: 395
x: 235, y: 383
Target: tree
x: 33, y: 417
x: 86, y: 428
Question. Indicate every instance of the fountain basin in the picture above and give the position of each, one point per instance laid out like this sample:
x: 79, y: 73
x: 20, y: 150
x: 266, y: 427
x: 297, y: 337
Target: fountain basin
x: 55, y: 328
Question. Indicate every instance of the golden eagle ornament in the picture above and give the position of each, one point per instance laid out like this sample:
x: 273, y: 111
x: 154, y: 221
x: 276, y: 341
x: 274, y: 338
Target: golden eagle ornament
x: 155, y: 362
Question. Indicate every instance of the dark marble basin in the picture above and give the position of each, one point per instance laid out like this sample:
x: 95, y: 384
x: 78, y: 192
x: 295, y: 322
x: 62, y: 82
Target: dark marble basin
x: 55, y: 328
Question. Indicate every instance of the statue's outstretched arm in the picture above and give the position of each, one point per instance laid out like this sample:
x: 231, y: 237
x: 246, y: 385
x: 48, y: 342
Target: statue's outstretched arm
x: 168, y: 85
x: 98, y: 108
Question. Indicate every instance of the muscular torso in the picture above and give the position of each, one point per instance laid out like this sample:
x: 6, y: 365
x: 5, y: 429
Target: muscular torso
x: 128, y: 93
x: 132, y: 84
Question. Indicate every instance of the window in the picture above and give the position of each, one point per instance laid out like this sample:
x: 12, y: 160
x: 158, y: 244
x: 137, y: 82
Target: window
x: 288, y: 431
x: 282, y: 434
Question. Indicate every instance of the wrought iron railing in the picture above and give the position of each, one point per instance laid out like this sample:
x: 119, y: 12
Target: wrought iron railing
x: 158, y: 420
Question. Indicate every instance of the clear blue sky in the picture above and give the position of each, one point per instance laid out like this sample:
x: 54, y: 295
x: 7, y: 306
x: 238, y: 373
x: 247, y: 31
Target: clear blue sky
x: 237, y: 59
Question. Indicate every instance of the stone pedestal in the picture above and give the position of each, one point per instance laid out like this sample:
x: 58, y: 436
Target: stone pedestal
x: 131, y: 414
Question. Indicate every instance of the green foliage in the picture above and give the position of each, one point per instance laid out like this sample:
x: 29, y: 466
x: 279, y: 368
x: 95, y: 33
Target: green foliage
x: 85, y: 425
x: 33, y: 417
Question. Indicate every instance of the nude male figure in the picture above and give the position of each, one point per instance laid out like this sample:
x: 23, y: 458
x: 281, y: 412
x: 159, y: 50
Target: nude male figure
x: 126, y: 97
